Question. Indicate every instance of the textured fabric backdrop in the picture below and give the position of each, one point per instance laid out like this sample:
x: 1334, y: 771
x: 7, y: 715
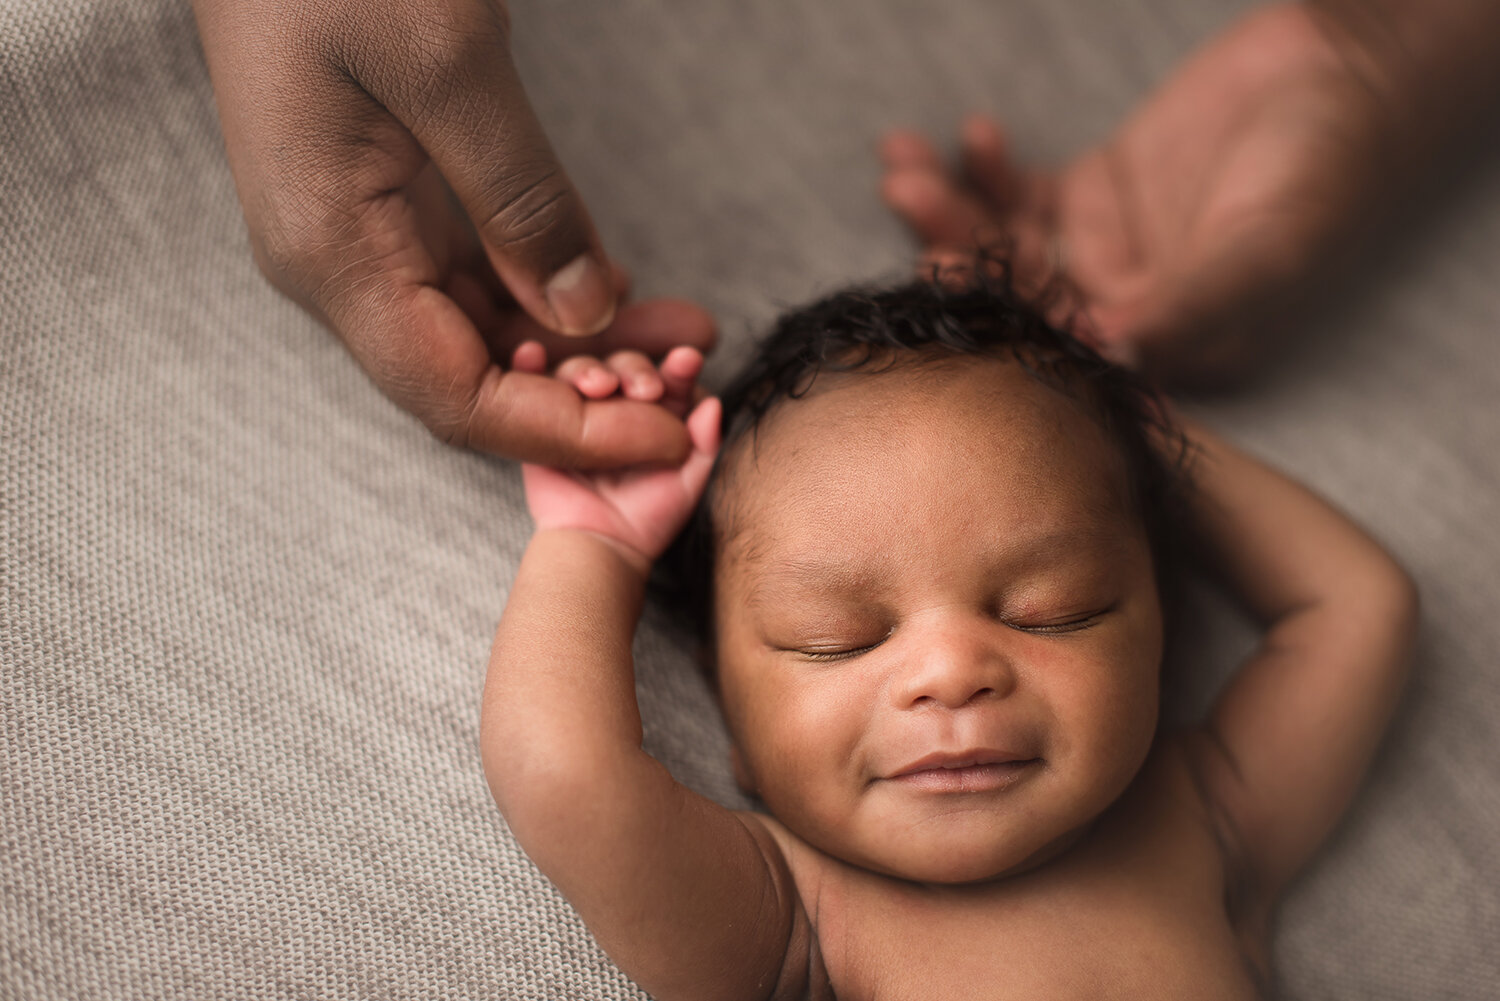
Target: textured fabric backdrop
x: 245, y: 603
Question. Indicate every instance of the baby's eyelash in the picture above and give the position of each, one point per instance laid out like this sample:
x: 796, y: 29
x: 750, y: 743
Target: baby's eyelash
x: 825, y: 656
x: 1073, y: 625
x: 829, y: 655
x: 832, y: 655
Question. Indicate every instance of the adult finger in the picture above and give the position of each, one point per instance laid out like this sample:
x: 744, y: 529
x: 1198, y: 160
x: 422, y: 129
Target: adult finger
x: 987, y: 164
x: 422, y: 349
x: 936, y: 209
x: 547, y: 421
x: 450, y: 79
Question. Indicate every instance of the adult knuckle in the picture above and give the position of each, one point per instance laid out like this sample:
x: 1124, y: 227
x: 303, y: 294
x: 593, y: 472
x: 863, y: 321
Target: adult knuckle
x: 278, y: 252
x: 453, y: 416
x: 300, y: 247
x: 530, y: 204
x: 284, y: 249
x: 448, y: 416
x: 450, y: 425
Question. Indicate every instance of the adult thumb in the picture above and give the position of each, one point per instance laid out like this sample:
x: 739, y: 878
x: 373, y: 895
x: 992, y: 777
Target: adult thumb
x: 471, y: 114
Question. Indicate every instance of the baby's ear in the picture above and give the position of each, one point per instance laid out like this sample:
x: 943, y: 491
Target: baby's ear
x: 743, y: 777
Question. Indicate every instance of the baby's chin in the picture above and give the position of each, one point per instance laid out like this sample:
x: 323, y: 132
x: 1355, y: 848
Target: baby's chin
x: 952, y: 862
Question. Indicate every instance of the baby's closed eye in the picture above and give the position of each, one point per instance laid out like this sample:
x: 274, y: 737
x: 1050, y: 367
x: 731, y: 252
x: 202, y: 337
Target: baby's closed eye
x: 836, y: 649
x: 1058, y: 622
x: 826, y: 633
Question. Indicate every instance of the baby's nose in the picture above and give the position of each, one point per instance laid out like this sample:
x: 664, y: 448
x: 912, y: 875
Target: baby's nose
x: 955, y: 667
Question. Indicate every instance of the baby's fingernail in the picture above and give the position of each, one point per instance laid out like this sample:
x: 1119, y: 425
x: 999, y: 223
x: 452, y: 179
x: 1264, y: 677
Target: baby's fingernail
x: 582, y: 297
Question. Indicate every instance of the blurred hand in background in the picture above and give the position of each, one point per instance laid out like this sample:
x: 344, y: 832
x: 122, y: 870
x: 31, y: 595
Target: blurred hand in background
x: 1228, y: 189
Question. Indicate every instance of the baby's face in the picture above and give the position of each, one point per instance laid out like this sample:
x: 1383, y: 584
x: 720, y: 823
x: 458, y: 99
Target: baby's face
x: 938, y: 627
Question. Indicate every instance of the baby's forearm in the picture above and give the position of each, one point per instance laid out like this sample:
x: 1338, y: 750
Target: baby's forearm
x: 559, y: 698
x: 1301, y: 719
x: 1283, y: 549
x: 687, y: 898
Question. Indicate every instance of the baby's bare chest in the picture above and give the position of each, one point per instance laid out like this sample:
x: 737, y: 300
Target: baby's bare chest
x: 1121, y: 943
x: 1145, y: 908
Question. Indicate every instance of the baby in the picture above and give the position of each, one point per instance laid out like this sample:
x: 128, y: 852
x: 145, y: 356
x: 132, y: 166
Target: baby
x: 933, y: 547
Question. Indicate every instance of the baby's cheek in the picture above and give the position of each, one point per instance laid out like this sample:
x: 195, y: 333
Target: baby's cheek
x: 802, y: 742
x: 801, y: 730
x: 1120, y: 724
x: 1103, y: 708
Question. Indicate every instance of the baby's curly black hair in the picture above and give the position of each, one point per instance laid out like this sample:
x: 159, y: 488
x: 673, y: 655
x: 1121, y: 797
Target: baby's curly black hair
x: 976, y: 312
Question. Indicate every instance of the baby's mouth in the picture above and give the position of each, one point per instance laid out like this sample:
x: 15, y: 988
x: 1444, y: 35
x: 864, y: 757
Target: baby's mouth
x: 966, y: 772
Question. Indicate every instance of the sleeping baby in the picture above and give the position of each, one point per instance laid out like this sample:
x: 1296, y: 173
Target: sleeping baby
x: 929, y: 558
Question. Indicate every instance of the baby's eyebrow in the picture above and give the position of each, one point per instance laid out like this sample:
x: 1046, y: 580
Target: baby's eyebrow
x: 836, y: 575
x: 849, y: 576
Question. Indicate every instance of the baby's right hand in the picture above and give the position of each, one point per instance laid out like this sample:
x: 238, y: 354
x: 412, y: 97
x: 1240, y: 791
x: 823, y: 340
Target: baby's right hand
x: 639, y: 509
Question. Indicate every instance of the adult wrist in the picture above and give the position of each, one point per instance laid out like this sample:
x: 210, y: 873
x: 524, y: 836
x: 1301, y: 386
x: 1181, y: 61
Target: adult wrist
x: 1428, y: 64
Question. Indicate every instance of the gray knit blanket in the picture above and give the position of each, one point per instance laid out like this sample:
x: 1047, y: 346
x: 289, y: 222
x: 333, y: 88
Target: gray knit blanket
x: 246, y: 603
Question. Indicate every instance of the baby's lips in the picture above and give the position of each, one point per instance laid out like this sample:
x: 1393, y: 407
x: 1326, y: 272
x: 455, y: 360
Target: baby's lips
x: 966, y: 758
x: 965, y: 774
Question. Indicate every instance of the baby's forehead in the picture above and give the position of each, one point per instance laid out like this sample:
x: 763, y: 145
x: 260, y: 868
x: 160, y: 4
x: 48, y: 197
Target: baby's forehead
x: 940, y: 433
x: 969, y: 397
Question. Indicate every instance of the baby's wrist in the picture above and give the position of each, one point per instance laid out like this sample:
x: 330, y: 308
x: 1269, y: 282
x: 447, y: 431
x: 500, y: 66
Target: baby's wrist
x: 632, y: 559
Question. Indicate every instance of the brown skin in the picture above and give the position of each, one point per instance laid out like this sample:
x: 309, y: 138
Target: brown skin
x: 898, y: 595
x: 919, y: 561
x: 1230, y: 188
x: 398, y: 186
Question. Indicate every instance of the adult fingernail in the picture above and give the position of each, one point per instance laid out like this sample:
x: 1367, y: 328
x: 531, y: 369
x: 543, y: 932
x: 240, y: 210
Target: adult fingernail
x: 582, y: 297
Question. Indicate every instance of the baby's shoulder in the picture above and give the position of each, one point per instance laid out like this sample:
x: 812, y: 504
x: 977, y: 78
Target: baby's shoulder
x: 1184, y: 780
x: 1172, y: 806
x: 1185, y: 775
x: 799, y: 872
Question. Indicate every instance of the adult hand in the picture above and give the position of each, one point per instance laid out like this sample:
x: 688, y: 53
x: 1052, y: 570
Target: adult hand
x: 1222, y: 192
x: 397, y: 184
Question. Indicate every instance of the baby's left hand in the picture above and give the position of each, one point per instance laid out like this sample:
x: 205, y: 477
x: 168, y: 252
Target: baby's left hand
x: 639, y: 509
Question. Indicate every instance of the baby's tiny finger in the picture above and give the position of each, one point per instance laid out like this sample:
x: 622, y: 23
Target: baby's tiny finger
x: 681, y: 368
x: 704, y: 426
x: 638, y: 377
x: 589, y: 376
x: 529, y: 356
x: 679, y: 374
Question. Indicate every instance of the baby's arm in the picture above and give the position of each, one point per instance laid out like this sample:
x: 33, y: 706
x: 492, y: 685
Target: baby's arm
x: 1296, y: 727
x: 686, y: 897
